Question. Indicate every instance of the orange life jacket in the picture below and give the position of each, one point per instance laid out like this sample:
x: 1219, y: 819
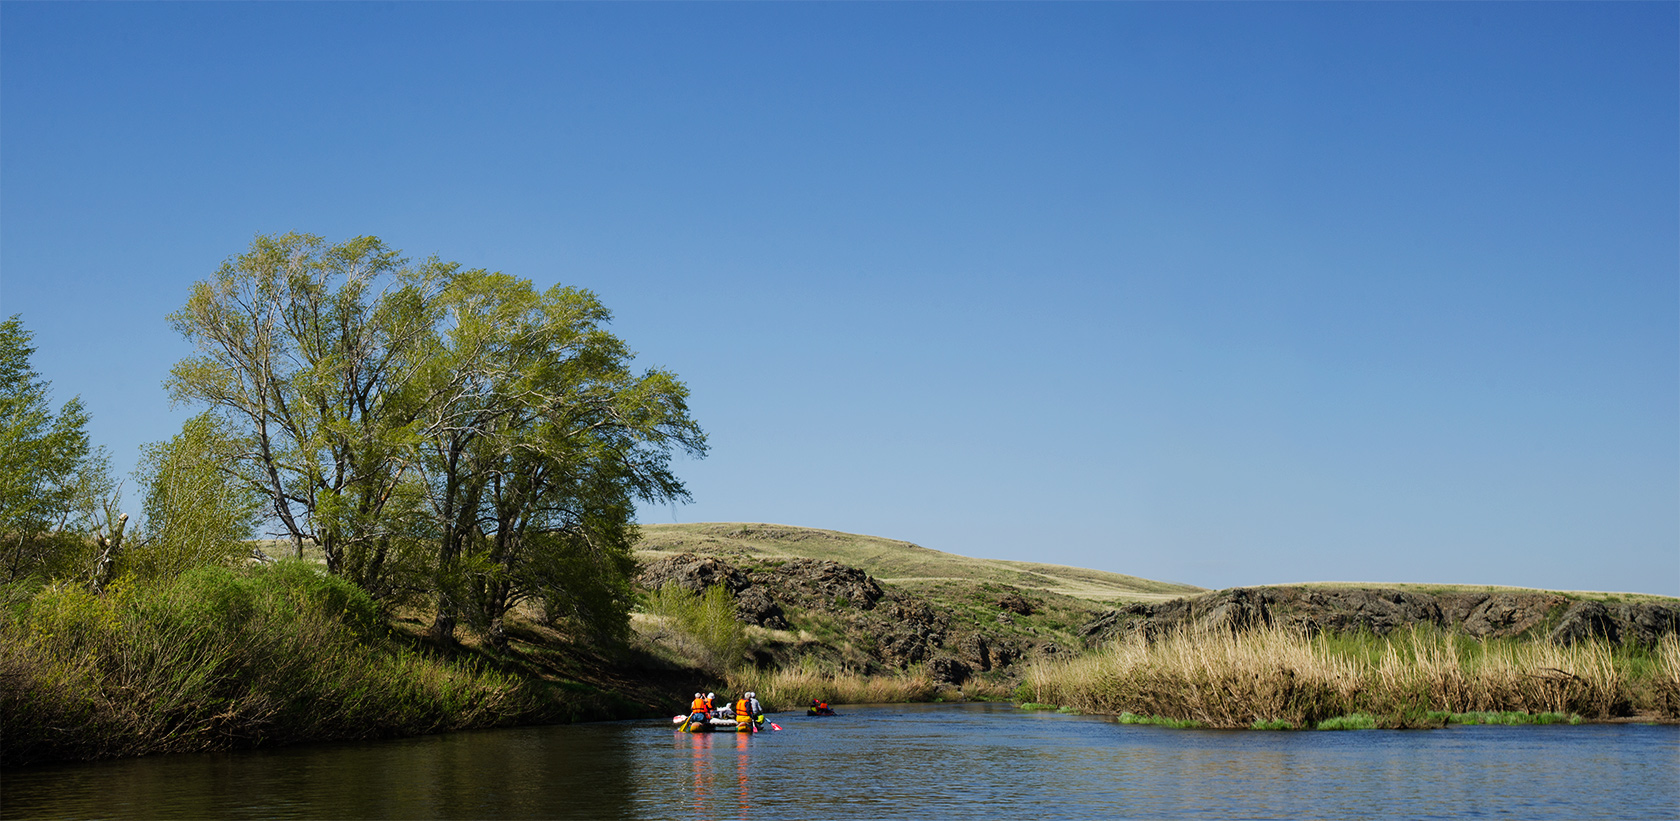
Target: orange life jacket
x: 700, y: 706
x: 742, y: 710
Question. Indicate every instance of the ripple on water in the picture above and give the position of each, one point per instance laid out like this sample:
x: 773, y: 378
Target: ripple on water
x: 899, y: 761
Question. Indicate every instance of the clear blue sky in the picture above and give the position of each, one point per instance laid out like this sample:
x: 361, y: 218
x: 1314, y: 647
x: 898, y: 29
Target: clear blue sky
x: 1218, y: 293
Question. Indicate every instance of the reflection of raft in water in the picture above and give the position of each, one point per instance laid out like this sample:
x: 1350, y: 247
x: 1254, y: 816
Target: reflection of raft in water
x: 716, y: 725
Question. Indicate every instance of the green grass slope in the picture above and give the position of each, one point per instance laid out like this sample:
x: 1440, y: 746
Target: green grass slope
x: 901, y: 564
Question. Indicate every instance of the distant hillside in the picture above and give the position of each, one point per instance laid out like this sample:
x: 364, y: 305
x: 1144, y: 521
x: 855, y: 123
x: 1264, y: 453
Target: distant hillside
x: 900, y: 564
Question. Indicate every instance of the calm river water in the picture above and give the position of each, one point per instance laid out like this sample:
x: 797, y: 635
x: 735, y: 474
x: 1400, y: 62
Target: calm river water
x: 900, y: 761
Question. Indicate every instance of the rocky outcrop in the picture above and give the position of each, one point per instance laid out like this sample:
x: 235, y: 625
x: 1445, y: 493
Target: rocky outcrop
x: 1647, y: 622
x: 1642, y: 623
x: 1381, y: 611
x: 1015, y: 603
x: 889, y: 629
x: 693, y: 572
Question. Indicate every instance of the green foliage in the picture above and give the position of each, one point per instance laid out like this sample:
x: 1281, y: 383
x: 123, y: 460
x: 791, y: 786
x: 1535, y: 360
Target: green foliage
x: 384, y: 407
x: 539, y: 446
x: 313, y: 358
x: 1506, y: 718
x: 584, y: 585
x: 218, y: 658
x: 1159, y: 721
x: 1274, y: 724
x: 717, y: 640
x: 52, y: 481
x: 1354, y: 721
x: 198, y: 511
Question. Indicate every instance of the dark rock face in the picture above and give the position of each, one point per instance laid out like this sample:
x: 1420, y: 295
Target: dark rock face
x: 692, y: 572
x: 755, y: 606
x: 1648, y: 622
x: 888, y: 629
x: 1499, y: 614
x: 1015, y: 603
x: 1587, y: 620
x: 841, y: 585
x: 1381, y: 611
x: 1237, y: 609
x: 948, y: 670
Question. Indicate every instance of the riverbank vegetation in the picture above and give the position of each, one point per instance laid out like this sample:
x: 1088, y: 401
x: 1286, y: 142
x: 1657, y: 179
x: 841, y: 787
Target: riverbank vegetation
x: 218, y: 659
x: 702, y: 631
x: 1277, y: 678
x: 450, y: 442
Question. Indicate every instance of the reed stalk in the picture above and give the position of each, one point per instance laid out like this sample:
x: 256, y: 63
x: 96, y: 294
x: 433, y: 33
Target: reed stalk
x: 1278, y: 677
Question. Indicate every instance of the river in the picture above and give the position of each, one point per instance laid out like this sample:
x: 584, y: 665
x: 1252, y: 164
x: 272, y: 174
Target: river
x: 978, y: 761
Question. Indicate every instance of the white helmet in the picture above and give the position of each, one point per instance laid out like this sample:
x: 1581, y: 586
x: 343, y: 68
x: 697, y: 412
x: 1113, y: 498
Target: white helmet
x: 752, y: 695
x: 711, y: 695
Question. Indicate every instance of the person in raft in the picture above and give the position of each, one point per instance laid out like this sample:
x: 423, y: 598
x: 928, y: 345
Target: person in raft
x: 743, y: 714
x: 699, y: 715
x: 755, y: 709
x: 711, y: 704
x: 819, y: 708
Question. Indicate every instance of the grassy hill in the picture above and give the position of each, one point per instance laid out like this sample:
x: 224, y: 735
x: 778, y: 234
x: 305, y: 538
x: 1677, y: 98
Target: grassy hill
x: 901, y: 564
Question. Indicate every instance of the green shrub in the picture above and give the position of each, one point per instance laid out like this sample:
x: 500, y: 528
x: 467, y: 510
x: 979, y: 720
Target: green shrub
x: 218, y: 658
x: 1160, y: 721
x: 708, y: 628
x: 1355, y: 721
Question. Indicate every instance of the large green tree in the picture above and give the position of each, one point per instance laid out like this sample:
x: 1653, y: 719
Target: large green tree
x: 54, y: 486
x: 312, y: 354
x: 380, y: 405
x: 542, y: 441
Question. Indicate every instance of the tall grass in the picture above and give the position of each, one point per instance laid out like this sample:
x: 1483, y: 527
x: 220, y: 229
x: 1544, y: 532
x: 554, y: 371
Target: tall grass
x: 793, y: 688
x: 218, y: 659
x: 1264, y: 677
x: 1665, y: 677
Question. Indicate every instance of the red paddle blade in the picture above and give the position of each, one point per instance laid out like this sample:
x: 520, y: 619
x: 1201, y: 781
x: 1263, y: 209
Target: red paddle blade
x: 775, y: 726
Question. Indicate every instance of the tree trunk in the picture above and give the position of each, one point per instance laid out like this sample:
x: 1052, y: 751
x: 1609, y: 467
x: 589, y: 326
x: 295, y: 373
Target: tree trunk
x: 443, y: 625
x: 112, y: 549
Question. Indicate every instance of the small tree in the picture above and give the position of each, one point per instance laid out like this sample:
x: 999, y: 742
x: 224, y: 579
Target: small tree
x: 198, y: 510
x: 707, y: 628
x: 54, y: 486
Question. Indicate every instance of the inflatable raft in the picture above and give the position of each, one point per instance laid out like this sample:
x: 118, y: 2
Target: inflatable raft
x: 716, y: 725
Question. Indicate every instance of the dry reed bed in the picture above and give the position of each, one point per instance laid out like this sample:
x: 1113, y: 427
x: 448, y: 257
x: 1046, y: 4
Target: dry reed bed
x: 1226, y: 679
x: 791, y: 688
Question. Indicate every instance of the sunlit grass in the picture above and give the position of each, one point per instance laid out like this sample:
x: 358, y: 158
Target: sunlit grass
x: 1275, y: 677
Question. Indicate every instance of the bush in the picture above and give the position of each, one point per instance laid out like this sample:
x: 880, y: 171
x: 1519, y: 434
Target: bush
x: 220, y: 658
x: 707, y: 629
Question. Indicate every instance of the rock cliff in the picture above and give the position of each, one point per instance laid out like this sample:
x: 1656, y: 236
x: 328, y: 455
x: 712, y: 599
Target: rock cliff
x: 1380, y: 611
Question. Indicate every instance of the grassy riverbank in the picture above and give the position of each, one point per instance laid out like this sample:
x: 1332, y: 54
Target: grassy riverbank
x: 1275, y: 678
x: 232, y: 658
x: 793, y: 688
